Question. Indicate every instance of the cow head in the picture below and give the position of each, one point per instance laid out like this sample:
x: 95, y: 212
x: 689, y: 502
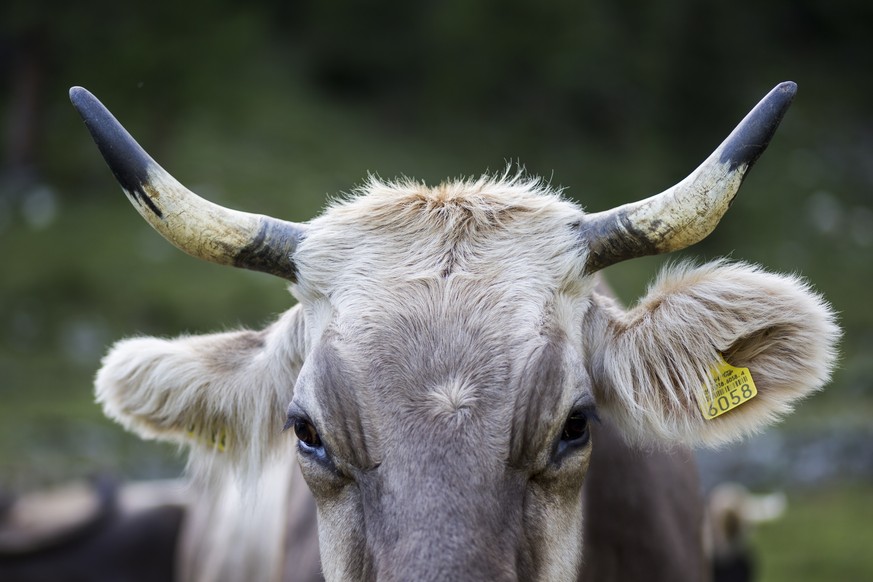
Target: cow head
x: 451, y: 349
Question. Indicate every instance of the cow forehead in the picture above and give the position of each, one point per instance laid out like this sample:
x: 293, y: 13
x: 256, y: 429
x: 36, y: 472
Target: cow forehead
x: 432, y: 303
x: 508, y: 236
x: 419, y: 388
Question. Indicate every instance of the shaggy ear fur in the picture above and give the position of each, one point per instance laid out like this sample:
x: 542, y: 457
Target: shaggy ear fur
x: 648, y: 363
x: 224, y: 393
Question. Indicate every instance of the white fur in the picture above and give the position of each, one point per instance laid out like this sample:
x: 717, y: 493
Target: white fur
x: 230, y: 534
x: 651, y: 360
x: 232, y: 384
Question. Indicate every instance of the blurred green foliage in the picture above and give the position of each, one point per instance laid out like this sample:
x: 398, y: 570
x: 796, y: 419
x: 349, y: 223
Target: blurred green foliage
x: 273, y: 107
x: 824, y: 536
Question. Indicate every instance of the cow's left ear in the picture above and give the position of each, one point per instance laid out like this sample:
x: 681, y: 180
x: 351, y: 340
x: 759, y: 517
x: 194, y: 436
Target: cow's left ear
x: 651, y: 364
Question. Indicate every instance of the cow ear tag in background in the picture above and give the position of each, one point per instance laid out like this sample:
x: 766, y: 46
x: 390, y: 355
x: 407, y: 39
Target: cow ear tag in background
x: 730, y: 387
x: 217, y: 441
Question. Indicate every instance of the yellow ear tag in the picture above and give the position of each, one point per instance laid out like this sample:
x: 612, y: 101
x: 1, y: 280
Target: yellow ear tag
x: 731, y: 387
x: 217, y: 441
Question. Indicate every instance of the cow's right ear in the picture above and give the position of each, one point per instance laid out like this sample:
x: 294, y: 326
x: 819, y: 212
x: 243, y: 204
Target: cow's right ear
x: 223, y: 393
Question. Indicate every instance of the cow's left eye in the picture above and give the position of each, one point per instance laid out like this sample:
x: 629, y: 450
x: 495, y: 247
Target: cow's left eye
x: 575, y: 433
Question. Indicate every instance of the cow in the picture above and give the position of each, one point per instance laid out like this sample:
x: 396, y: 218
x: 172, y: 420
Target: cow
x: 451, y: 365
x: 93, y: 532
x: 732, y: 512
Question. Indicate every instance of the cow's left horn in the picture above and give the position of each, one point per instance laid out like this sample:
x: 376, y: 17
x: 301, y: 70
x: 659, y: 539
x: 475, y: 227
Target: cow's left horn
x: 686, y: 213
x: 198, y: 227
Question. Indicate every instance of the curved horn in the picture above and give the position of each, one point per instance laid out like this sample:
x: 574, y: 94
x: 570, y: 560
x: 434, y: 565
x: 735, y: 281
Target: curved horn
x: 686, y: 213
x: 198, y: 227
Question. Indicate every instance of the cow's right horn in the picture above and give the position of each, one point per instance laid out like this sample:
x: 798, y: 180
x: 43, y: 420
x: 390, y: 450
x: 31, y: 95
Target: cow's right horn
x: 686, y: 213
x: 198, y: 227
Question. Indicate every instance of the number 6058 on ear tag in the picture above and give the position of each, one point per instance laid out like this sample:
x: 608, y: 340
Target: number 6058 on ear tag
x: 731, y: 387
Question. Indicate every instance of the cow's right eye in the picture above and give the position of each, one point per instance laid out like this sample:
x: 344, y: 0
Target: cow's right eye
x: 306, y: 433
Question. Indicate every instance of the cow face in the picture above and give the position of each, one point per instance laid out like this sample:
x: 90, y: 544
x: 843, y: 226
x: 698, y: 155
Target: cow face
x: 450, y: 351
x: 443, y: 417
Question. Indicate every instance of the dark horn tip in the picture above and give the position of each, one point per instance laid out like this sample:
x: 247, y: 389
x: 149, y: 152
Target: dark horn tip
x: 76, y: 93
x: 788, y: 87
x: 127, y: 160
x: 752, y: 136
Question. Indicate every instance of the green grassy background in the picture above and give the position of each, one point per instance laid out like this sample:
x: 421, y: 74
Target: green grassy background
x: 824, y: 536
